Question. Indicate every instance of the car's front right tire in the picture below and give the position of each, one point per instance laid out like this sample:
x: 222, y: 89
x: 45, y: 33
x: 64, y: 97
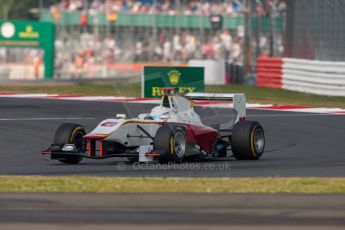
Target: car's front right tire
x: 69, y: 133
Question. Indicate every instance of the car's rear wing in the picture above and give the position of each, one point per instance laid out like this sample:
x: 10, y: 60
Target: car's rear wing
x: 238, y: 100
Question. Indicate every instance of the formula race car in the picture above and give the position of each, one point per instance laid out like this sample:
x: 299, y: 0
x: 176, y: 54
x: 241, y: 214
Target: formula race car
x: 171, y: 132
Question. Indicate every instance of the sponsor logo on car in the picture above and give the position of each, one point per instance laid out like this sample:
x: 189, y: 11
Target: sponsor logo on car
x: 109, y: 124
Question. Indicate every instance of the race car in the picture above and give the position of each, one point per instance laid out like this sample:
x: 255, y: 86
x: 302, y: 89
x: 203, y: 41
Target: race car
x: 171, y: 132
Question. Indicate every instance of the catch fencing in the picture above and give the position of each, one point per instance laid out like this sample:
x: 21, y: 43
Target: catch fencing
x: 315, y: 30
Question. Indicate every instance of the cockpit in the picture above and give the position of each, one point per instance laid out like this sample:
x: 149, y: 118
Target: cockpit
x: 170, y: 106
x: 166, y: 108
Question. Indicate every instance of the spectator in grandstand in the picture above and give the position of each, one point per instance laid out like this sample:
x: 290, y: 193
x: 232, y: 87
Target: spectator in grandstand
x: 167, y: 55
x: 236, y: 55
x: 227, y: 42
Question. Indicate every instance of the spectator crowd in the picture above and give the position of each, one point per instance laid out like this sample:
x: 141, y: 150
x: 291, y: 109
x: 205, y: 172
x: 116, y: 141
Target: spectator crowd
x: 169, y: 47
x: 172, y: 7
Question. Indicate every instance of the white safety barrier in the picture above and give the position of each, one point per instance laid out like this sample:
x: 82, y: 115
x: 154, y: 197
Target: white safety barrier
x: 317, y: 77
x: 16, y: 71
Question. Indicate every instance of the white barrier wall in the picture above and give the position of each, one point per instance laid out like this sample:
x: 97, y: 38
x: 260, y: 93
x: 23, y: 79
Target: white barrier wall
x: 214, y: 70
x: 16, y: 71
x: 317, y: 77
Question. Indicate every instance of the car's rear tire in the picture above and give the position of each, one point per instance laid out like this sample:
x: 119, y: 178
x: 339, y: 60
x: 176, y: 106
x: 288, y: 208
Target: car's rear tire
x: 171, y: 141
x: 69, y: 133
x: 248, y: 140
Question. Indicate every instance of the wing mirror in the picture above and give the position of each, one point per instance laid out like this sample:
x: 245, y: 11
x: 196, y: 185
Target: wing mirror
x: 120, y: 115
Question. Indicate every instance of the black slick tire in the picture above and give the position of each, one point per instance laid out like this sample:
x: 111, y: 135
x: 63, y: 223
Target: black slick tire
x: 171, y: 141
x: 69, y: 133
x: 248, y: 140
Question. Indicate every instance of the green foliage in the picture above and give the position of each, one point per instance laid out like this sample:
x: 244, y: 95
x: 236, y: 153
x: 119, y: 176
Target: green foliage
x: 18, y: 10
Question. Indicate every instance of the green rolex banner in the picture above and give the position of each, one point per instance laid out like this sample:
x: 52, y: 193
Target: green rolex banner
x: 30, y: 34
x: 186, y: 79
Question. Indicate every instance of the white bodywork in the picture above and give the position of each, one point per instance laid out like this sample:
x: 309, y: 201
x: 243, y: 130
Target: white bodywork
x: 173, y: 109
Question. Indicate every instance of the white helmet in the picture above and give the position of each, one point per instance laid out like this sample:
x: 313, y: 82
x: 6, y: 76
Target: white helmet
x: 159, y: 111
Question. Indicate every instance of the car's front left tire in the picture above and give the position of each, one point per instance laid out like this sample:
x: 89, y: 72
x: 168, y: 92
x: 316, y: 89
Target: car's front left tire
x: 171, y: 142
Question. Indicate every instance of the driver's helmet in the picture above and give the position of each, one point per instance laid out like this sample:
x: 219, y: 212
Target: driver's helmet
x: 159, y: 111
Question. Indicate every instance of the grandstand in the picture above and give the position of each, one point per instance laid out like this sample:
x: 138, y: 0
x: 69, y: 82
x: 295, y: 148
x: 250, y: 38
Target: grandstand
x: 112, y: 38
x: 102, y: 37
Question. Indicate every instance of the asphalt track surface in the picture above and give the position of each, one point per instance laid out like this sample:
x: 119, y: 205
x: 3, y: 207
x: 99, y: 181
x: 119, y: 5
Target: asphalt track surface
x: 298, y: 144
x: 171, y: 211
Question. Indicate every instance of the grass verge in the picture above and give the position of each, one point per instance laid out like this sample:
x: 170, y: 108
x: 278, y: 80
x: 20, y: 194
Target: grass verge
x: 253, y: 94
x: 189, y: 185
